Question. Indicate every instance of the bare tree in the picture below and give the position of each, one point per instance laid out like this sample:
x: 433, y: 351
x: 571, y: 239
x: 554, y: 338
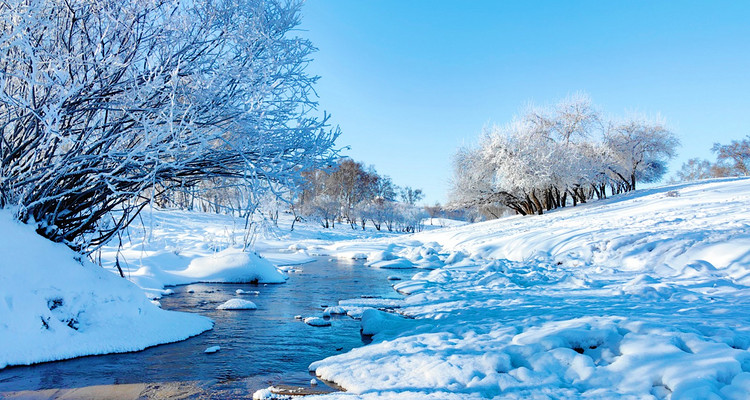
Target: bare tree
x: 433, y: 211
x: 733, y: 158
x: 411, y: 196
x: 694, y: 169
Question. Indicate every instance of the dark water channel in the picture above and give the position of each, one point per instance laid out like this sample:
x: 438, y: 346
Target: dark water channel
x: 258, y: 347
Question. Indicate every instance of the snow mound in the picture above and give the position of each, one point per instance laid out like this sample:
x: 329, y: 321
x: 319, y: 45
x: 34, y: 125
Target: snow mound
x: 237, y: 304
x: 334, y: 310
x: 55, y: 305
x: 317, y: 321
x: 231, y: 266
x: 375, y: 321
x: 268, y: 394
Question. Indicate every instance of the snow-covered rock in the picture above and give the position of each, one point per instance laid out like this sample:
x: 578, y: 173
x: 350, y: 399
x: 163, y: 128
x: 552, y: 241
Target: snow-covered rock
x: 334, y: 310
x: 317, y: 321
x: 237, y: 304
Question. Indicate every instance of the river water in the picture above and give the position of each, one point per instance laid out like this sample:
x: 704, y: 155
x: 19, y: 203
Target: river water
x: 258, y: 347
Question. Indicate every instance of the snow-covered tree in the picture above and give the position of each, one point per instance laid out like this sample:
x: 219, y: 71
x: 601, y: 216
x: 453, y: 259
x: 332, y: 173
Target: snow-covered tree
x: 107, y: 104
x: 548, y: 157
x: 640, y: 149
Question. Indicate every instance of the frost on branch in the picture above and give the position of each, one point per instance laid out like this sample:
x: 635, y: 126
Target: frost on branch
x: 106, y: 104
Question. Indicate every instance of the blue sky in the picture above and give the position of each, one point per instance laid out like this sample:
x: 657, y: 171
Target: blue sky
x: 410, y: 81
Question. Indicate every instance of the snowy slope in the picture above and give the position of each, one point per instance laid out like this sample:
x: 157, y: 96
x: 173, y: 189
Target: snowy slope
x: 53, y: 307
x: 640, y: 296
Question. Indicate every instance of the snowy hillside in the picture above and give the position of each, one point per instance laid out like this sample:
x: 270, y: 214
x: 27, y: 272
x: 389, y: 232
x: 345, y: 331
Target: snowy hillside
x: 640, y: 296
x: 54, y: 307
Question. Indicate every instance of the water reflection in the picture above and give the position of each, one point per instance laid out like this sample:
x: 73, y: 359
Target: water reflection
x: 258, y: 347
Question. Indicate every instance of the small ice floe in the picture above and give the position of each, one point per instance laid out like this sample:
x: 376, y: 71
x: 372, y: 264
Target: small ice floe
x: 156, y: 303
x: 191, y: 291
x: 317, y: 321
x: 212, y: 349
x: 297, y: 317
x: 248, y: 292
x: 334, y: 310
x: 237, y: 304
x: 393, y: 278
x: 313, y: 382
x: 167, y: 292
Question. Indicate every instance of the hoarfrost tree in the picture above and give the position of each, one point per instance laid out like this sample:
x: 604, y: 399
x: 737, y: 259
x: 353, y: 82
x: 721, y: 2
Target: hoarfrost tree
x: 550, y: 156
x: 105, y: 104
x: 640, y: 149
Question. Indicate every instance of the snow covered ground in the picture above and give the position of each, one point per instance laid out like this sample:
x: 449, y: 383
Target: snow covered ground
x: 642, y: 296
x: 54, y: 307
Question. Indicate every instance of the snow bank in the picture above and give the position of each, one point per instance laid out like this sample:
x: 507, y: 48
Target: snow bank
x: 231, y: 266
x: 645, y: 295
x: 54, y: 307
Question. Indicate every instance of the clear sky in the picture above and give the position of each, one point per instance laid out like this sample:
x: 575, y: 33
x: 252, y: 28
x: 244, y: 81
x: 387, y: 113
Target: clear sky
x: 410, y: 81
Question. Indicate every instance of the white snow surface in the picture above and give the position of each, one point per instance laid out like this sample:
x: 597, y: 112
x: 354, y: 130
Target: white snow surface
x: 317, y: 321
x: 173, y: 247
x: 212, y: 349
x: 640, y: 296
x: 53, y: 307
x: 237, y: 304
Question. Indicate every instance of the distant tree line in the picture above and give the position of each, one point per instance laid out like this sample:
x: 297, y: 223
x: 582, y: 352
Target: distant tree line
x: 732, y: 159
x: 350, y: 193
x: 556, y: 156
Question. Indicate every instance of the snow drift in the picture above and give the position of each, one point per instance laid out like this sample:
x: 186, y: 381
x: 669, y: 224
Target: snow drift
x: 55, y: 305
